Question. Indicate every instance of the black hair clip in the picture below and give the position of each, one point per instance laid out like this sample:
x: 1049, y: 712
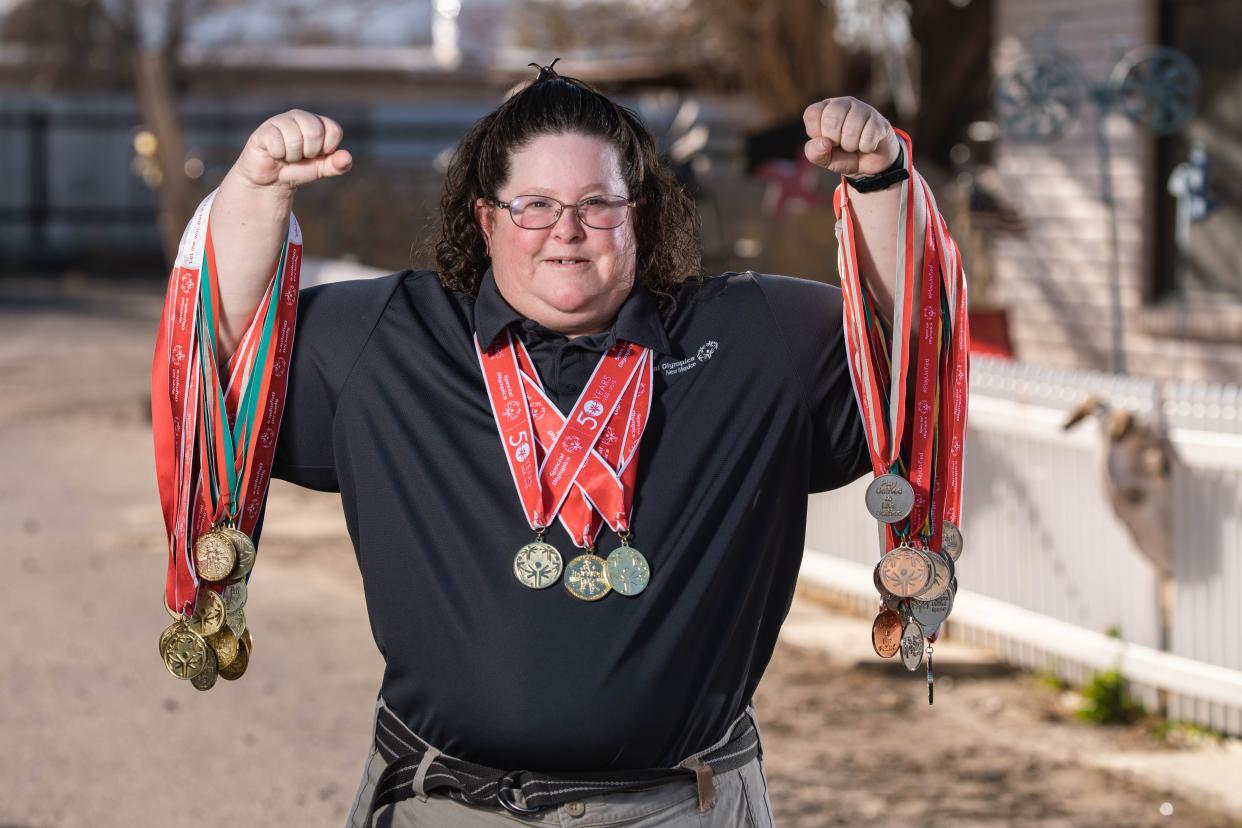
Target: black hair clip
x: 546, y: 72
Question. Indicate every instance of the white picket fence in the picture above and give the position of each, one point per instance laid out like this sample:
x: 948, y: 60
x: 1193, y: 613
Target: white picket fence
x: 1048, y: 568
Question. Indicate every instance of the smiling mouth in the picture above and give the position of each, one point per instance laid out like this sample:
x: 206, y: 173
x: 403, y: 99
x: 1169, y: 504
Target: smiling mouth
x: 566, y: 262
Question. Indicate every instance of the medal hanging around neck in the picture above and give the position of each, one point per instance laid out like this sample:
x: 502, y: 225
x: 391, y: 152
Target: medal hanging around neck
x: 215, y: 433
x: 916, y: 492
x: 580, y: 467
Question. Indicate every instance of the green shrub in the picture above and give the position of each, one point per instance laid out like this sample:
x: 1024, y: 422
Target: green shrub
x: 1105, y: 700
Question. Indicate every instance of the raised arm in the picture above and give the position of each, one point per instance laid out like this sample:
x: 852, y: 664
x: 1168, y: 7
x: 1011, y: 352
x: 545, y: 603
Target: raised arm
x: 850, y: 137
x: 250, y: 215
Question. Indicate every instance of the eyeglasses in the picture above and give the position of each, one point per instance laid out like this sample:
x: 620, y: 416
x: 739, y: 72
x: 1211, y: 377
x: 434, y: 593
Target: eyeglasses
x: 536, y: 212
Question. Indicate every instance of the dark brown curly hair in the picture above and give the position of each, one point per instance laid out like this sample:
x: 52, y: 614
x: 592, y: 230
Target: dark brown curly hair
x: 666, y: 221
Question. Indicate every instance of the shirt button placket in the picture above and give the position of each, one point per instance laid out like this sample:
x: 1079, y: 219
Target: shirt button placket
x: 571, y: 370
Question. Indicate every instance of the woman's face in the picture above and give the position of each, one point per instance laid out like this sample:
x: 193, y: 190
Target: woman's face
x: 578, y: 298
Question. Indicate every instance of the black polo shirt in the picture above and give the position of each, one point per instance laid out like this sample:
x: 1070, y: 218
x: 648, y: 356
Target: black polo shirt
x: 752, y: 410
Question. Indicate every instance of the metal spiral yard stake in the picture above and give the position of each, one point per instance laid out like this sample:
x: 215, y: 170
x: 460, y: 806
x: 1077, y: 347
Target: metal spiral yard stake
x: 1154, y: 86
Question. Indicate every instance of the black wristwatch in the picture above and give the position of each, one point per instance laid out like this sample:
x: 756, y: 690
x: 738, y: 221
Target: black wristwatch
x: 883, y: 180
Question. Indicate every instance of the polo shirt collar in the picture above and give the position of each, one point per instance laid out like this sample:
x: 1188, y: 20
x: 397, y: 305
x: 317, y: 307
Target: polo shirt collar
x: 638, y: 320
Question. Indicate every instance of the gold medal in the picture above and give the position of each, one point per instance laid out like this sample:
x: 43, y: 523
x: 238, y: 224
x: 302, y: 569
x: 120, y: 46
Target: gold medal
x: 239, y: 664
x: 586, y: 577
x: 226, y: 646
x: 627, y: 570
x: 208, y: 615
x: 211, y: 671
x: 214, y: 556
x: 169, y: 630
x: 246, y: 553
x: 537, y: 565
x: 184, y: 651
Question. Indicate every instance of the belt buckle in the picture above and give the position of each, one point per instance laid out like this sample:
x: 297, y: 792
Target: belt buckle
x: 508, y: 782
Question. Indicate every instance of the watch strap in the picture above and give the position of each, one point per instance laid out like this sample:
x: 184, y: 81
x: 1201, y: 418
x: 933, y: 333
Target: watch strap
x: 896, y: 172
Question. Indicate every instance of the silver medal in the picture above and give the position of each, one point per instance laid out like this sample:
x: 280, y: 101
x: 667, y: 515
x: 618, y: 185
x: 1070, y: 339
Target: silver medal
x: 888, y: 599
x: 951, y: 540
x: 912, y: 646
x: 904, y: 572
x: 931, y: 614
x: 627, y: 570
x: 942, y: 574
x: 889, y: 498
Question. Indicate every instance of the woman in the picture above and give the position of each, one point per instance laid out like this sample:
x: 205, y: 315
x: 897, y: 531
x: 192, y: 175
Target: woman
x: 568, y: 269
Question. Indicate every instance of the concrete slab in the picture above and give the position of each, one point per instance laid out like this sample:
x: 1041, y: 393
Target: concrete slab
x: 1211, y: 776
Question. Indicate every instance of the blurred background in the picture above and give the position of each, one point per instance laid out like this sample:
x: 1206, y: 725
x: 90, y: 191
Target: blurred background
x: 1087, y: 157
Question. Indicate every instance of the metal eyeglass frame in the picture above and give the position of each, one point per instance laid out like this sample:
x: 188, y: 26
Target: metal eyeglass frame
x: 560, y: 210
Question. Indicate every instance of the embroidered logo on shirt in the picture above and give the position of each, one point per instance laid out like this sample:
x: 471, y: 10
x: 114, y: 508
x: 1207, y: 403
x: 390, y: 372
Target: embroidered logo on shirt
x: 705, y: 352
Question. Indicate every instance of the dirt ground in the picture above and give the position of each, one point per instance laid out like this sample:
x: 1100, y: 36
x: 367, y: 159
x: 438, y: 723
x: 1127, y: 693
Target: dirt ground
x: 93, y: 732
x: 860, y: 747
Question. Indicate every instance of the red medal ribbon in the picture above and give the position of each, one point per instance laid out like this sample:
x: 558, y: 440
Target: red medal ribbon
x: 553, y: 458
x: 955, y: 382
x: 927, y: 379
x: 942, y: 369
x: 883, y: 438
x: 185, y: 397
x: 604, y: 488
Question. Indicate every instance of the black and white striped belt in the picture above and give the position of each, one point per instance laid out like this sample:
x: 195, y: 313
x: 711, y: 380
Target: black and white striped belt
x: 415, y: 768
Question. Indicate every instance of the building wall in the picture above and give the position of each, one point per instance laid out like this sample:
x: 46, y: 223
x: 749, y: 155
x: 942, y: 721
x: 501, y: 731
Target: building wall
x: 1055, y: 279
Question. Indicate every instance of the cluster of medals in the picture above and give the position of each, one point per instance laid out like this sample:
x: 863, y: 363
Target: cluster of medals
x: 215, y: 429
x: 579, y: 468
x: 213, y: 641
x: 917, y: 584
x: 916, y: 445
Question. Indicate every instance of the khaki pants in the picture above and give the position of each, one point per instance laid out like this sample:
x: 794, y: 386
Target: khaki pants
x: 741, y: 802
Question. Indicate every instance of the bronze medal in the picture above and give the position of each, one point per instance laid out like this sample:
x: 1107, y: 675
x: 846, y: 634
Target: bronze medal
x: 903, y: 571
x: 183, y: 651
x: 537, y: 565
x: 214, y: 556
x: 586, y: 577
x: 627, y: 570
x: 886, y: 634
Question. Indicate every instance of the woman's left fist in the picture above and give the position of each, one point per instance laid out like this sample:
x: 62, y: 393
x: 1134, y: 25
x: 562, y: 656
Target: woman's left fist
x: 849, y: 137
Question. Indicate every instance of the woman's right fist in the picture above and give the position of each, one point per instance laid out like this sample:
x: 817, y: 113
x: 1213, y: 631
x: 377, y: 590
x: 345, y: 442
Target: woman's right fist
x: 292, y: 149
